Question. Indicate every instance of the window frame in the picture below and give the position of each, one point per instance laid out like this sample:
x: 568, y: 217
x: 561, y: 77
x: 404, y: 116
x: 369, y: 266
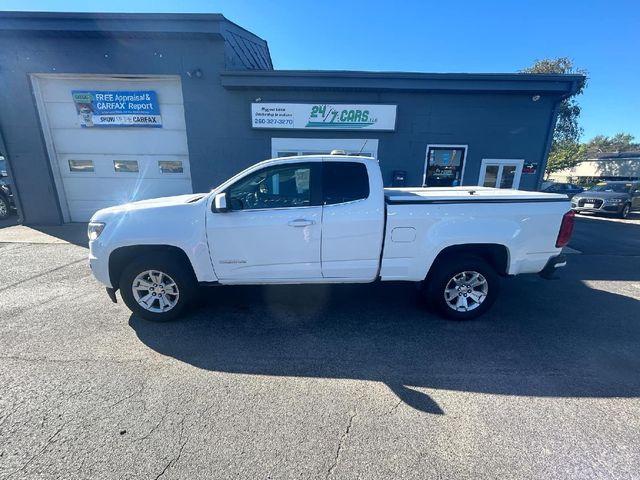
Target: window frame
x: 72, y: 169
x: 169, y: 172
x: 315, y: 185
x: 126, y: 162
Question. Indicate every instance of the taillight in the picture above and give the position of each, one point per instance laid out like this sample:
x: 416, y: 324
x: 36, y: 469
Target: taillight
x: 566, y: 229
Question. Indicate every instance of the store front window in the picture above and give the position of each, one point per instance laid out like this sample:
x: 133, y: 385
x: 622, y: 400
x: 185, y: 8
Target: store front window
x: 444, y: 165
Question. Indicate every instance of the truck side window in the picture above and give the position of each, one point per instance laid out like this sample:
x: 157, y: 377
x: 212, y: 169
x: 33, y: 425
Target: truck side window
x: 344, y: 182
x: 282, y: 186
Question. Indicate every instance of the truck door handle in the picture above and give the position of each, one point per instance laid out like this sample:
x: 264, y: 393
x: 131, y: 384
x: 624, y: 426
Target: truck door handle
x: 300, y: 222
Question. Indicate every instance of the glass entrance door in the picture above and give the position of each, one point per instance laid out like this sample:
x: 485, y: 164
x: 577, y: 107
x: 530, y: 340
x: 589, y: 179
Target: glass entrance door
x: 500, y: 173
x: 444, y: 165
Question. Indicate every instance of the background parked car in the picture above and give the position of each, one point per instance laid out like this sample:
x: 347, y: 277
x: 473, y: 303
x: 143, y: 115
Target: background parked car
x: 568, y: 189
x: 615, y: 197
x: 6, y: 195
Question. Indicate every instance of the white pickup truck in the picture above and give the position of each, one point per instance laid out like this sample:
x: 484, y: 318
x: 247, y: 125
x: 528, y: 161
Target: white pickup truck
x: 326, y: 219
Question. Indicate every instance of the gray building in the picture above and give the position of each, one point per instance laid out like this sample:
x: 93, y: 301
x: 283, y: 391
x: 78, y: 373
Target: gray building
x: 100, y: 109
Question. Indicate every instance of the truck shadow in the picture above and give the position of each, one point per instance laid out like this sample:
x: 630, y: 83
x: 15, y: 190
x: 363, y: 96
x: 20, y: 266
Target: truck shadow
x: 543, y: 338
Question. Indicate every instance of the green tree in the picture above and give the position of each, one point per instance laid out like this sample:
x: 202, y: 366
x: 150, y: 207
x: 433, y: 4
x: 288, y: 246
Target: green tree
x: 566, y: 150
x: 620, y: 142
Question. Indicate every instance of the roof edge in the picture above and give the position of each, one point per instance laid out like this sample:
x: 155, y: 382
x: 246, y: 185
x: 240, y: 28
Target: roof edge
x: 108, y: 22
x: 564, y: 85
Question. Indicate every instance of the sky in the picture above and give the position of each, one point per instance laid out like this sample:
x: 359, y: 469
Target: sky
x: 601, y: 37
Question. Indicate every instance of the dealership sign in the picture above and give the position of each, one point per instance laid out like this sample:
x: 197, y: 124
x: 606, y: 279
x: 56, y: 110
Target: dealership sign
x: 100, y: 108
x: 313, y: 116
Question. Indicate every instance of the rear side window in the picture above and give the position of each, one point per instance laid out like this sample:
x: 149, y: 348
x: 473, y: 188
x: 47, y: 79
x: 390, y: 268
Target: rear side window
x: 344, y: 182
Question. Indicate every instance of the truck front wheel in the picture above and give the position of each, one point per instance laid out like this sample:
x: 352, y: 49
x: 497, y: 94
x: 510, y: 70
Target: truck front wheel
x: 157, y: 288
x: 462, y: 288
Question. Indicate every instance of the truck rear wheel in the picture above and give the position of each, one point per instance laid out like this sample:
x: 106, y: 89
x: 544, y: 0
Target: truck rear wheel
x: 157, y: 288
x: 462, y: 288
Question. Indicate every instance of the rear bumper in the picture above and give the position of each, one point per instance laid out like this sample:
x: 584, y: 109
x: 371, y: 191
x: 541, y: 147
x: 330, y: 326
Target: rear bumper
x: 558, y: 261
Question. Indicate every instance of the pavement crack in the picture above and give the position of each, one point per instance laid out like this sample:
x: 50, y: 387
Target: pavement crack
x: 71, y: 360
x: 156, y: 426
x: 42, y: 450
x: 127, y: 397
x: 41, y: 274
x: 394, y: 408
x: 340, y: 447
x: 176, y: 458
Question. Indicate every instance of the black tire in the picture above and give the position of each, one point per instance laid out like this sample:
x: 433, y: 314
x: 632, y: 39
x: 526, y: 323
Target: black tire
x: 173, y: 269
x: 442, y: 276
x: 5, y: 209
x: 624, y: 213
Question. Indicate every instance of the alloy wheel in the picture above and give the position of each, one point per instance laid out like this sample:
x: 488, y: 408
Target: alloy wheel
x: 155, y: 291
x: 466, y: 291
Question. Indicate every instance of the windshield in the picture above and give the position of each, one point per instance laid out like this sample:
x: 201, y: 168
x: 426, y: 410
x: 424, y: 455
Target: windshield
x: 611, y: 187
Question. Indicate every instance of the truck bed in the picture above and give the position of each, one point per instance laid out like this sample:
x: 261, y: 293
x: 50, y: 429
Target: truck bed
x: 467, y: 194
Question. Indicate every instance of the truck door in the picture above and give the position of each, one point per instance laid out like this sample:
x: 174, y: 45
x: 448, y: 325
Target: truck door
x: 352, y: 219
x: 272, y: 232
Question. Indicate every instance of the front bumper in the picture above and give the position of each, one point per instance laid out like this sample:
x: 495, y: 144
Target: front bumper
x: 602, y: 207
x: 554, y: 263
x: 99, y: 262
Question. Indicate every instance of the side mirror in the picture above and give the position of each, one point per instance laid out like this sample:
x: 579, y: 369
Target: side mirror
x: 220, y: 203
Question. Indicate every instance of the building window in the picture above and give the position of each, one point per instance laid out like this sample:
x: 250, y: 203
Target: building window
x: 287, y: 147
x: 286, y: 154
x: 127, y: 166
x: 81, y: 166
x: 500, y: 173
x: 444, y: 165
x: 170, y: 166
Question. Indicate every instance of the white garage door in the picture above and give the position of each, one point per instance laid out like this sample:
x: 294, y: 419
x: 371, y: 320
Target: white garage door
x: 99, y: 167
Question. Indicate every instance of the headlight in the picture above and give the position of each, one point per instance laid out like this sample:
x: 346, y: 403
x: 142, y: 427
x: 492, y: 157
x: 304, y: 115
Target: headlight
x: 613, y: 200
x: 94, y: 229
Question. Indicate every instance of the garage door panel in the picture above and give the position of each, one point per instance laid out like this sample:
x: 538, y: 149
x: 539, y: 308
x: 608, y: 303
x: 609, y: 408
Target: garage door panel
x: 128, y: 190
x: 64, y: 115
x: 131, y: 141
x: 59, y: 89
x: 95, y: 182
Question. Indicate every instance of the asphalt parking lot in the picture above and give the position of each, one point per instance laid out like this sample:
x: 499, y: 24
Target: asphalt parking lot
x: 321, y: 382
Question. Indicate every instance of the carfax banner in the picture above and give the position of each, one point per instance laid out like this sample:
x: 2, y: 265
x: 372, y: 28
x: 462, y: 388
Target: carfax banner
x: 100, y: 108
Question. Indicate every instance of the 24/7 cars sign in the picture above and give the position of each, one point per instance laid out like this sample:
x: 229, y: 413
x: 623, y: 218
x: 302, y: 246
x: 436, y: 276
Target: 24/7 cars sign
x: 98, y: 108
x: 311, y: 116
